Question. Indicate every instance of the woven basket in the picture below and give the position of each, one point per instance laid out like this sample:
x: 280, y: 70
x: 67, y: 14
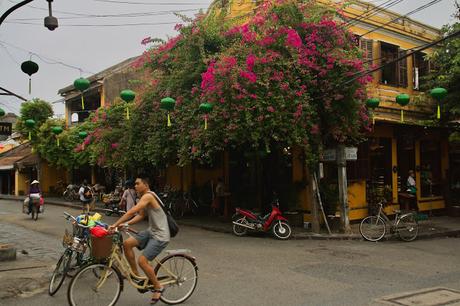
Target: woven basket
x: 101, y: 247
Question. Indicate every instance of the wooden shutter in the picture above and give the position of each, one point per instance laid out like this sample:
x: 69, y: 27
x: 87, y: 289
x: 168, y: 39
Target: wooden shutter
x: 402, y: 69
x: 366, y: 47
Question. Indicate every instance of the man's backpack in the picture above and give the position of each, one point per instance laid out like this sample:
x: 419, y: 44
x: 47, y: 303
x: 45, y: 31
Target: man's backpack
x: 87, y: 192
x: 172, y: 224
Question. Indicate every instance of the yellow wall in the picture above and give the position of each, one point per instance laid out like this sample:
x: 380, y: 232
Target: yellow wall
x: 49, y: 176
x: 21, y: 184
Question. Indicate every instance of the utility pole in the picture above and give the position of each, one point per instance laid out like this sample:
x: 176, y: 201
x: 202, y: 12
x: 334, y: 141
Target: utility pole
x: 343, y: 188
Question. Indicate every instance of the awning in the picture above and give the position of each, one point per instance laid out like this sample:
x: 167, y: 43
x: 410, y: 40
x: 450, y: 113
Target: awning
x: 21, y: 156
x: 7, y: 163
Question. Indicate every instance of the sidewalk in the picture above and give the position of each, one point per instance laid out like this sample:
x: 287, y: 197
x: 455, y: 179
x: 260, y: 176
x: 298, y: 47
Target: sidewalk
x: 436, y: 226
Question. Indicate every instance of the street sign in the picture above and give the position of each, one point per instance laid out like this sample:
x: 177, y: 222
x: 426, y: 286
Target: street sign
x: 329, y: 155
x: 351, y: 153
x: 6, y: 128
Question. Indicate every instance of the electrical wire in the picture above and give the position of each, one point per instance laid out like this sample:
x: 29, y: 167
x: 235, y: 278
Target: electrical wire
x: 124, y: 15
x: 46, y: 59
x: 374, y: 11
x: 154, y: 3
x: 419, y: 9
x: 9, y: 54
x: 100, y: 25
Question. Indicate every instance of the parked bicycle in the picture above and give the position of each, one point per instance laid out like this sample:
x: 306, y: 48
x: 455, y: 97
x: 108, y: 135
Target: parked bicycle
x: 405, y: 225
x: 71, y: 193
x: 101, y: 283
x: 74, y: 256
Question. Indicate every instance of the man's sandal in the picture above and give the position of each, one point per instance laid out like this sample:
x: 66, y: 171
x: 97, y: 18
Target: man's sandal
x: 155, y: 300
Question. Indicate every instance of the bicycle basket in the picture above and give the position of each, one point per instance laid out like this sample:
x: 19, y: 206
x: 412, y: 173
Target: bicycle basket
x: 67, y: 239
x: 101, y: 247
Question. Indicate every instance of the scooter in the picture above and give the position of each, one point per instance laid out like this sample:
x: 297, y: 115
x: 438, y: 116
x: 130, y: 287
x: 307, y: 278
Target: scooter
x: 113, y: 207
x: 244, y: 220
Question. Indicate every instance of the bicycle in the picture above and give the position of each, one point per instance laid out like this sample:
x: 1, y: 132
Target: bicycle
x: 101, y: 283
x: 76, y: 246
x: 373, y: 228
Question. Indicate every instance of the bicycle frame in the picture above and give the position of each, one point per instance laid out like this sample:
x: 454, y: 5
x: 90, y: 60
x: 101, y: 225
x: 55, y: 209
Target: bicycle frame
x: 387, y: 220
x: 118, y: 260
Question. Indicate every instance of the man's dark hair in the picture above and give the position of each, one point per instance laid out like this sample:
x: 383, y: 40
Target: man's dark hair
x: 144, y: 178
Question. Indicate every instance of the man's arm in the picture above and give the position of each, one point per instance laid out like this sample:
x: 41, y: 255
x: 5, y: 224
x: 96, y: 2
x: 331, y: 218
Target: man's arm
x: 137, y: 209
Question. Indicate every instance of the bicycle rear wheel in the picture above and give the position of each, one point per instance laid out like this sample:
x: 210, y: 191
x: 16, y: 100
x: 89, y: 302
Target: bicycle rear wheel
x: 407, y: 227
x: 179, y: 275
x: 95, y: 284
x: 372, y: 228
x: 60, y: 272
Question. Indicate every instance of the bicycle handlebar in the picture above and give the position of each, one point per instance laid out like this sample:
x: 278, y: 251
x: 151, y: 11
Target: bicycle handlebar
x: 68, y: 216
x: 125, y: 227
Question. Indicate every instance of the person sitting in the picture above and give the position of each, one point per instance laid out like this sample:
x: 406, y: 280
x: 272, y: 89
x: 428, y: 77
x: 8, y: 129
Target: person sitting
x: 34, y: 193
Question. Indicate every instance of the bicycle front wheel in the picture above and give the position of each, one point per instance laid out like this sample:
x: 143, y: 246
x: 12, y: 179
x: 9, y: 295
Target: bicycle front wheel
x: 60, y: 272
x: 407, y: 227
x: 95, y: 284
x: 179, y: 275
x: 372, y: 228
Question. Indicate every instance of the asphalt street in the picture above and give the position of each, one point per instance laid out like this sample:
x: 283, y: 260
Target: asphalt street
x: 263, y: 271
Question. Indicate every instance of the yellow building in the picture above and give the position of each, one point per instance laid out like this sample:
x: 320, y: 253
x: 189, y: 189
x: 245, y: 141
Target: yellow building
x: 394, y: 147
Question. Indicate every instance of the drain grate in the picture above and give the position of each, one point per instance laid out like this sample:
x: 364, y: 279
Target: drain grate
x: 425, y: 297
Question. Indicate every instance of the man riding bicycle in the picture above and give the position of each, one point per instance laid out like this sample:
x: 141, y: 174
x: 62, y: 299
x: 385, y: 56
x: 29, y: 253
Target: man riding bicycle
x: 152, y: 240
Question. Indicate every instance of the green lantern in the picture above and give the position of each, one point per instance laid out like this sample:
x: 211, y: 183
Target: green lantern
x: 402, y: 100
x: 168, y: 104
x: 30, y: 123
x: 373, y: 103
x: 29, y: 67
x: 438, y: 93
x: 83, y: 135
x: 81, y: 84
x: 56, y: 131
x: 127, y: 96
x: 205, y: 108
x: 2, y: 112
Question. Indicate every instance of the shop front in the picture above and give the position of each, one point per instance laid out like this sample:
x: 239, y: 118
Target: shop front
x: 385, y: 162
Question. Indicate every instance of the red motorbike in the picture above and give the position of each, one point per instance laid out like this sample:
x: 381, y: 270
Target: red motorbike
x: 244, y: 220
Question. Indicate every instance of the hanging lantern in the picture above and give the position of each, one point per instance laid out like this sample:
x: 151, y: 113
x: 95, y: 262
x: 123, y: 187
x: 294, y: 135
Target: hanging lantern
x: 81, y: 84
x: 83, y: 135
x: 29, y: 68
x: 127, y: 96
x: 438, y: 93
x: 2, y: 112
x: 56, y: 131
x: 373, y: 103
x: 168, y: 104
x: 205, y: 108
x: 402, y: 100
x: 30, y: 123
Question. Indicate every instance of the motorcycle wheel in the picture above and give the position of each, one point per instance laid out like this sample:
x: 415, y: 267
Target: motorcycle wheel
x: 34, y: 212
x: 237, y: 229
x: 281, y: 230
x: 66, y: 195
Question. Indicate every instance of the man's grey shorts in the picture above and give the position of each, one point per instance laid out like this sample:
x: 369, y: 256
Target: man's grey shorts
x: 150, y: 246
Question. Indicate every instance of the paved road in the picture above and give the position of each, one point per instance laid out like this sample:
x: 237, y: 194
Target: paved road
x: 264, y: 271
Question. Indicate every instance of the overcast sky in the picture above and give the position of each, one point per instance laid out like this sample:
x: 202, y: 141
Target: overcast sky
x: 93, y: 47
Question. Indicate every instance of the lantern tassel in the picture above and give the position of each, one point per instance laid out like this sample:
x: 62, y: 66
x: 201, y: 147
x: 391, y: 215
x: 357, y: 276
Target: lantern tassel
x: 82, y: 102
x: 205, y: 123
x: 83, y: 146
x: 438, y: 115
x: 30, y: 136
x: 169, y: 120
x: 402, y: 115
x: 30, y: 86
x: 373, y: 118
x: 57, y: 140
x: 127, y: 113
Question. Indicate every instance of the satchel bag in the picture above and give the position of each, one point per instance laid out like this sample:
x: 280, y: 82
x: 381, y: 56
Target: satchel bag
x: 172, y: 224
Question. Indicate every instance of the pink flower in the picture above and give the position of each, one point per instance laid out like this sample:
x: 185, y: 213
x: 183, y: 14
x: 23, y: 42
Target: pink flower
x: 194, y: 149
x: 250, y: 62
x: 270, y: 109
x: 178, y: 27
x: 293, y: 39
x: 146, y: 40
x: 115, y: 145
x: 207, y: 78
x: 249, y: 75
x: 314, y: 129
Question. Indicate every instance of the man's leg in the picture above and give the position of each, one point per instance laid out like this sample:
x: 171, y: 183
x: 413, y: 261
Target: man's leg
x: 128, y: 246
x: 150, y: 272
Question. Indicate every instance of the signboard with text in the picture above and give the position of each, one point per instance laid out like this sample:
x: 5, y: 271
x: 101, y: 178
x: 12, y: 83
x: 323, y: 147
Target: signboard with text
x: 6, y: 128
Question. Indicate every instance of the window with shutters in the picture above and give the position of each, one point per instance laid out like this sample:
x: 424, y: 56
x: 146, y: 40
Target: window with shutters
x: 366, y: 46
x: 394, y: 73
x: 388, y: 54
x: 421, y: 69
x: 402, y: 69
